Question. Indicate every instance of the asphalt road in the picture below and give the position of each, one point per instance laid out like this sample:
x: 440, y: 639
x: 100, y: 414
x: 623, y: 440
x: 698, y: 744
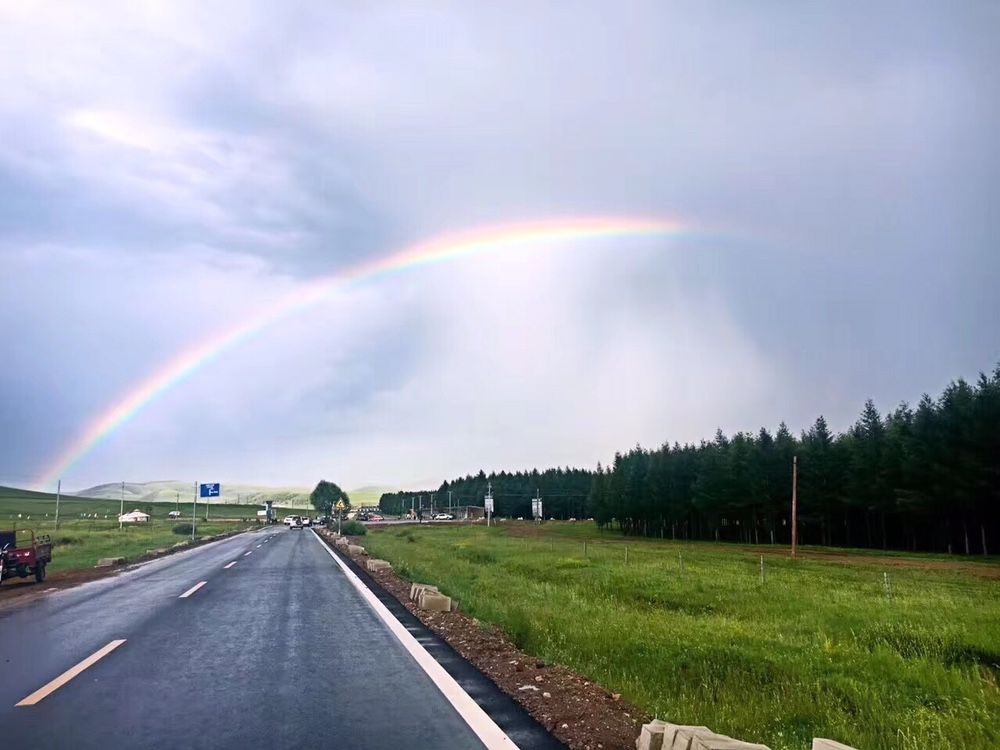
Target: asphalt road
x: 278, y: 650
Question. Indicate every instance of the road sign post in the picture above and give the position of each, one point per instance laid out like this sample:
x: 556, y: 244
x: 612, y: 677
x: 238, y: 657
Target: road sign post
x: 206, y: 491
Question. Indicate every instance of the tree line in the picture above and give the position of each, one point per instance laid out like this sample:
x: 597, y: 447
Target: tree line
x: 924, y: 478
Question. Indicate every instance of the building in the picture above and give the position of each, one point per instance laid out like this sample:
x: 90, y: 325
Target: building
x: 136, y: 516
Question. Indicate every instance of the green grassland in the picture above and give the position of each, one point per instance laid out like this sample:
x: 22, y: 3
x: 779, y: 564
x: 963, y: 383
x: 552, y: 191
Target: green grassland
x: 88, y: 528
x: 690, y: 633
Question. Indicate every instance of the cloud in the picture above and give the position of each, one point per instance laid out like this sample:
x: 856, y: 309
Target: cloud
x: 167, y: 168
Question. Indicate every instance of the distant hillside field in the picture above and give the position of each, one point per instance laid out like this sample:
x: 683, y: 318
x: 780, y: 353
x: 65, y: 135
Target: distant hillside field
x: 168, y: 491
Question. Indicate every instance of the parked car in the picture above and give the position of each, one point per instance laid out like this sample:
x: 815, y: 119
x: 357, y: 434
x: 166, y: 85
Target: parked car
x: 307, y: 521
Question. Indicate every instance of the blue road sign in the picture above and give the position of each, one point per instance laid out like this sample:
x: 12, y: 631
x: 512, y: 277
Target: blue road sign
x: 209, y: 490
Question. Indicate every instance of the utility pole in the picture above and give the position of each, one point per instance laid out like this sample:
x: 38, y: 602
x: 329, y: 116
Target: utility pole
x: 58, y: 493
x: 178, y: 500
x: 194, y: 510
x: 449, y: 502
x: 489, y: 502
x: 795, y: 505
x: 122, y: 513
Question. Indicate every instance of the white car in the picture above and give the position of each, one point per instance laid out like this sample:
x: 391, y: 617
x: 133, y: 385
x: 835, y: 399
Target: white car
x: 306, y: 521
x: 444, y: 517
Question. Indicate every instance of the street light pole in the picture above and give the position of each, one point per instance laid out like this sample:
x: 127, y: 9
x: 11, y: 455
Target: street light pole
x: 122, y: 512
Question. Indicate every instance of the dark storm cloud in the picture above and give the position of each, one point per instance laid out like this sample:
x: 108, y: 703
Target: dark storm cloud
x: 165, y: 170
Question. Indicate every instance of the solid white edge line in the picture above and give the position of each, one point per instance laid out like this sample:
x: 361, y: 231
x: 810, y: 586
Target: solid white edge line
x: 492, y: 736
x: 191, y: 590
x: 227, y: 567
x: 50, y: 687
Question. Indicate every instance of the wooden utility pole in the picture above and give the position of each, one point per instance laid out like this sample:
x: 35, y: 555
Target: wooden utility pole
x: 795, y: 505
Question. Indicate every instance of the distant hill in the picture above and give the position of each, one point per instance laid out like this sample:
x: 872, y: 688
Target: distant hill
x: 167, y: 491
x: 368, y: 495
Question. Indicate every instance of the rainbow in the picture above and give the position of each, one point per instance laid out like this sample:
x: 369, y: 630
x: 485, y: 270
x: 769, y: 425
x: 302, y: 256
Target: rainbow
x: 437, y: 250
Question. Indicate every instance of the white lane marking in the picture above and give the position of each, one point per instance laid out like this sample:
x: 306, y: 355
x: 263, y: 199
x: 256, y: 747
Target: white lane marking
x: 227, y: 567
x: 258, y: 546
x: 191, y: 590
x: 478, y: 720
x: 69, y: 674
x: 249, y: 552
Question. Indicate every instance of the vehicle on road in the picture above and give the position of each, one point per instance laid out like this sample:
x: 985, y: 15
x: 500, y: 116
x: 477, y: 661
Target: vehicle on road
x: 23, y: 554
x: 444, y: 517
x: 174, y: 514
x: 375, y: 517
x: 306, y: 521
x: 290, y: 520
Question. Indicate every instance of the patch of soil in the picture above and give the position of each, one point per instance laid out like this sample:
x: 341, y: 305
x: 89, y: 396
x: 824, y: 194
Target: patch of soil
x: 579, y: 712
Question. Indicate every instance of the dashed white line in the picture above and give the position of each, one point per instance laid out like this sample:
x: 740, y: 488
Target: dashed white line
x: 248, y: 552
x: 258, y: 546
x: 69, y: 674
x: 191, y: 590
x: 227, y: 567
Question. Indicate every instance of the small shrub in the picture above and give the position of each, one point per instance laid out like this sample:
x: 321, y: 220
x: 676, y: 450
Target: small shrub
x: 66, y: 539
x: 353, y: 528
x: 183, y: 529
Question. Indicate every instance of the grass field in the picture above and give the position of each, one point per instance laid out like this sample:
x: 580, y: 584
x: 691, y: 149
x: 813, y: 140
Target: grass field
x: 819, y: 649
x: 88, y: 528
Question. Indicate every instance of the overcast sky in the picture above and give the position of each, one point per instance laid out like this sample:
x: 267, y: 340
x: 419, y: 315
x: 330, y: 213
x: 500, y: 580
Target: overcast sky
x: 166, y: 170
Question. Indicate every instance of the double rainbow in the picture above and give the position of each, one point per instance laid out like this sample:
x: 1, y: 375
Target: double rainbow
x: 437, y: 250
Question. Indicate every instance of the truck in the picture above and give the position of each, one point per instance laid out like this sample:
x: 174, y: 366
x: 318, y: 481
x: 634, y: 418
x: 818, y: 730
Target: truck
x: 22, y: 553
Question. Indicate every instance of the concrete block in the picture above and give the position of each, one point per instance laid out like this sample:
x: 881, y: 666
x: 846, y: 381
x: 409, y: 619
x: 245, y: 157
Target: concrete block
x: 434, y: 602
x: 107, y: 562
x: 341, y: 541
x: 720, y: 742
x: 355, y: 549
x: 651, y: 736
x: 820, y: 744
x: 417, y: 588
x: 670, y: 733
x: 684, y: 737
x: 373, y: 565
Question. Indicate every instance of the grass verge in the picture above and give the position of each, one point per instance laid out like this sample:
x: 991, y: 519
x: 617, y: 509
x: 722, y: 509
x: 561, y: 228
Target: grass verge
x: 691, y: 633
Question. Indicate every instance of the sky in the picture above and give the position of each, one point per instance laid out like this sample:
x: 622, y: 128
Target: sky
x: 169, y: 170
